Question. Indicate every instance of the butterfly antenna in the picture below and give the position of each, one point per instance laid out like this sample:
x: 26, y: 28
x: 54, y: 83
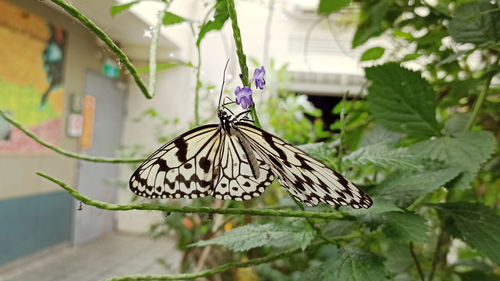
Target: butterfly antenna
x: 222, y: 87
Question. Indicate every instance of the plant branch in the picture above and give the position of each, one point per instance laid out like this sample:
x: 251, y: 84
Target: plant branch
x: 65, y: 152
x: 217, y: 269
x: 107, y: 40
x: 439, y: 253
x: 481, y: 98
x: 417, y: 263
x: 153, y: 48
x: 187, y: 209
x: 197, y: 89
x: 241, y: 55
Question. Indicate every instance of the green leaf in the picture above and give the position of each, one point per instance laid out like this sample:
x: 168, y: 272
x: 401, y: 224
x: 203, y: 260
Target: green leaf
x: 353, y: 265
x: 402, y: 101
x: 252, y: 236
x: 475, y: 275
x: 405, y: 227
x: 457, y: 124
x: 170, y: 19
x: 403, y: 187
x: 372, y: 15
x: 327, y: 7
x: 372, y: 54
x: 220, y: 17
x: 114, y: 10
x: 382, y: 155
x: 380, y: 205
x: 465, y: 152
x: 476, y: 22
x: 379, y: 134
x: 476, y: 224
x: 163, y: 66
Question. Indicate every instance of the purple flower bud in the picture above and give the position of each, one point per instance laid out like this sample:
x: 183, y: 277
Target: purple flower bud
x: 258, y: 76
x: 243, y: 96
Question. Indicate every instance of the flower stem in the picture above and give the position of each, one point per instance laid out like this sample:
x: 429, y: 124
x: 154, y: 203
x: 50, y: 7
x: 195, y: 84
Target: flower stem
x: 54, y: 148
x: 187, y: 209
x: 105, y: 38
x: 241, y: 55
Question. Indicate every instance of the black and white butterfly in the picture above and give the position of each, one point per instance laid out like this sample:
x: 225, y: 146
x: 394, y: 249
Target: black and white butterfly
x: 236, y: 160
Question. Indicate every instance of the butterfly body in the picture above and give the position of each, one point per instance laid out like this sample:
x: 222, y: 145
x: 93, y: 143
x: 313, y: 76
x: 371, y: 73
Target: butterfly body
x: 236, y: 160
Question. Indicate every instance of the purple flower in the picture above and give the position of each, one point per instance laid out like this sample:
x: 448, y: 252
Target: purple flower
x: 243, y: 96
x: 258, y: 76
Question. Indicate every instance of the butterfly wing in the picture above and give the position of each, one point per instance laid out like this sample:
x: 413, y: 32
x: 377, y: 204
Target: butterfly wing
x: 306, y: 178
x: 237, y: 179
x: 186, y: 167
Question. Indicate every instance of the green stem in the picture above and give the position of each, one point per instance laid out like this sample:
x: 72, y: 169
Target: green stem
x: 187, y: 209
x: 241, y: 55
x: 215, y: 270
x: 105, y: 38
x: 65, y: 152
x: 417, y: 263
x: 197, y: 90
x: 481, y: 98
x: 342, y: 131
x: 153, y: 48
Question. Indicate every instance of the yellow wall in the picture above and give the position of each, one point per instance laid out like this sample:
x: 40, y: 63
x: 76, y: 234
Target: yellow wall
x: 17, y: 172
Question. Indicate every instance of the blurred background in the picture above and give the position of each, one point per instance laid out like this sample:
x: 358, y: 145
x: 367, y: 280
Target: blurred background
x: 61, y: 82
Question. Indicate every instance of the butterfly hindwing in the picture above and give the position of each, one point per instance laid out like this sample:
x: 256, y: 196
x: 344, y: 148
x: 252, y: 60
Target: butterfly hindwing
x: 186, y: 167
x: 306, y: 178
x: 237, y: 180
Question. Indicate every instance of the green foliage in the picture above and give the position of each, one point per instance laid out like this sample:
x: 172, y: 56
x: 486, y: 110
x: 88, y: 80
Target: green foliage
x: 327, y: 7
x: 170, y: 18
x: 372, y: 54
x: 384, y: 156
x: 220, y: 17
x: 477, y: 225
x: 404, y: 227
x: 403, y: 187
x: 252, y: 236
x: 353, y: 265
x: 466, y: 152
x: 476, y: 22
x: 402, y: 100
x: 115, y: 10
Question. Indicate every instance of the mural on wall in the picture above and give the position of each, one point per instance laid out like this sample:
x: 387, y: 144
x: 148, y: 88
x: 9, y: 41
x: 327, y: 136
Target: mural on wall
x: 31, y: 76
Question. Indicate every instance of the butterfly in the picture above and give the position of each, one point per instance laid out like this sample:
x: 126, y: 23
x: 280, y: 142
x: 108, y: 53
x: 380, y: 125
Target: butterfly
x: 236, y: 160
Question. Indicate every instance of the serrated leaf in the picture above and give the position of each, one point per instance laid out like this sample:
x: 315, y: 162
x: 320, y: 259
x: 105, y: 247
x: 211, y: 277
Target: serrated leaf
x: 379, y: 134
x: 404, y: 226
x: 353, y: 265
x: 114, y: 10
x: 476, y: 224
x: 476, y: 22
x: 372, y: 54
x: 403, y: 187
x: 252, y: 236
x: 170, y: 18
x: 402, y: 101
x: 382, y: 155
x: 327, y: 7
x: 380, y: 205
x: 220, y: 17
x: 465, y: 152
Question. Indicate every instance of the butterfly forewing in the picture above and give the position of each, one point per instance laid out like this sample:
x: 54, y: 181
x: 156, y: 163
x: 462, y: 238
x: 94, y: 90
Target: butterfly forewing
x: 307, y: 179
x: 186, y: 167
x: 237, y: 179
